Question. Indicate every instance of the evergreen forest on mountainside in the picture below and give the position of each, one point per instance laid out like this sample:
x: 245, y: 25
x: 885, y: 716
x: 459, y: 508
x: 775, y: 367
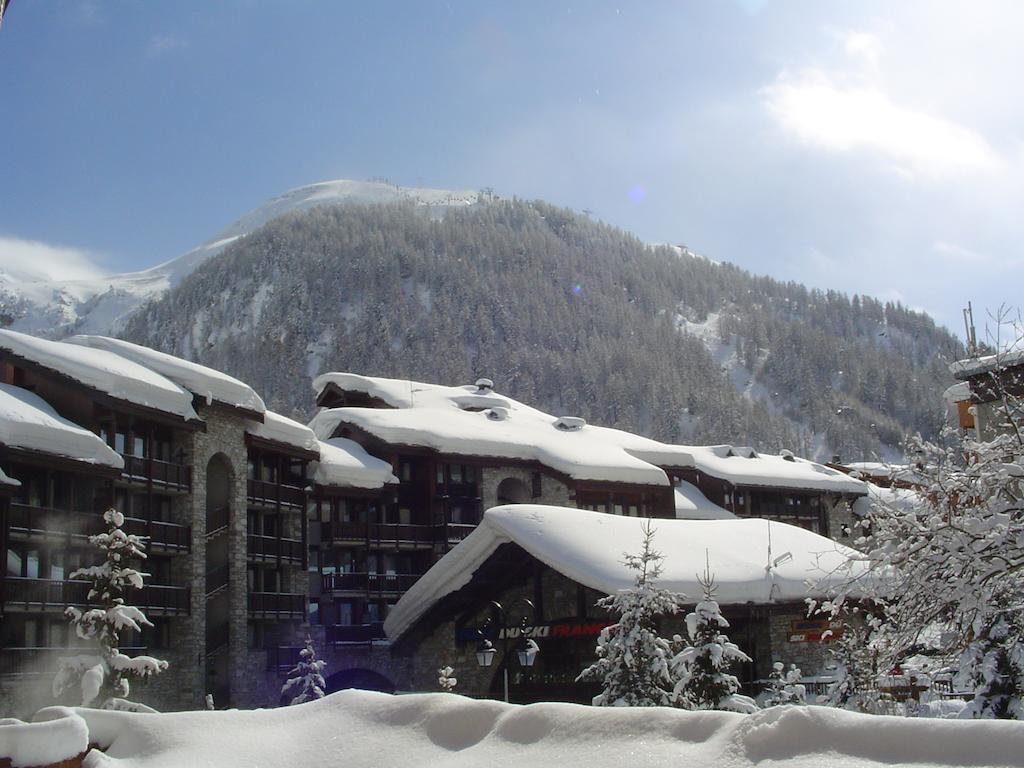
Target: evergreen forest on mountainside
x: 563, y: 313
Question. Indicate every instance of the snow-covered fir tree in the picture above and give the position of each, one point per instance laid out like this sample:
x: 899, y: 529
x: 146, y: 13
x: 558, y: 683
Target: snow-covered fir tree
x: 703, y: 668
x: 446, y: 679
x: 103, y: 679
x: 784, y: 686
x: 951, y: 568
x: 633, y: 661
x: 306, y: 680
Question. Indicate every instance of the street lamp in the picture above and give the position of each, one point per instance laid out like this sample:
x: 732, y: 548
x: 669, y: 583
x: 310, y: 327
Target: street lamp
x: 526, y: 649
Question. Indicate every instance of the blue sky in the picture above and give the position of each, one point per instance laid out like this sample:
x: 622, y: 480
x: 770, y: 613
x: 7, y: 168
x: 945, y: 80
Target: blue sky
x: 871, y: 147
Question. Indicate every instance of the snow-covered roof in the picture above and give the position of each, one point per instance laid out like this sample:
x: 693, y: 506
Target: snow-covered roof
x: 588, y: 548
x: 346, y: 464
x: 957, y: 393
x: 972, y: 366
x: 105, y: 371
x: 903, y: 499
x: 398, y: 393
x: 691, y: 504
x: 6, y: 479
x: 742, y: 466
x: 880, y: 470
x: 29, y: 422
x: 207, y: 383
x: 280, y: 429
x: 476, y: 421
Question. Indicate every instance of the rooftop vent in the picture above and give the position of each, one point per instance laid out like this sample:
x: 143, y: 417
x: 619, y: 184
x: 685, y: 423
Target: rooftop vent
x: 787, y: 455
x: 497, y: 413
x: 484, y: 386
x: 570, y: 423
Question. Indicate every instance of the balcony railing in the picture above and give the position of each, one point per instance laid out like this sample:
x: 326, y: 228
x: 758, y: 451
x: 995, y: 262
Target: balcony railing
x: 268, y: 494
x: 216, y: 579
x: 456, y: 532
x: 56, y: 594
x: 357, y: 633
x: 385, y: 535
x: 266, y: 548
x: 217, y: 520
x: 277, y: 605
x: 369, y: 583
x: 35, y: 521
x: 43, y: 661
x: 168, y: 475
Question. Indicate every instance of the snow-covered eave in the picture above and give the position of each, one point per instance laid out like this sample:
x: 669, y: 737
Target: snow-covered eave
x: 277, y: 446
x: 541, y: 532
x: 108, y: 468
x: 326, y: 423
x: 850, y: 486
x: 975, y: 366
x: 191, y: 420
x: 8, y: 483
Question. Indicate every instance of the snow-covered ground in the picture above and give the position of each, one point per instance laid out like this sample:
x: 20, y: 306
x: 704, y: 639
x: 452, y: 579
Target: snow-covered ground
x: 85, y: 300
x: 360, y: 728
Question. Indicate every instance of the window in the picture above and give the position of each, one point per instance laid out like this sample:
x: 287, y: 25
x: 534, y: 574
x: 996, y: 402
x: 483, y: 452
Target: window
x: 138, y: 445
x: 314, y: 611
x: 345, y: 614
x: 32, y: 564
x: 120, y: 441
x: 15, y: 562
x: 32, y: 633
x: 536, y: 488
x: 405, y: 471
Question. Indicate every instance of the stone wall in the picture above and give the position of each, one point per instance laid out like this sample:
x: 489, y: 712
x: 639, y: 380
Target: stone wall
x: 553, y: 491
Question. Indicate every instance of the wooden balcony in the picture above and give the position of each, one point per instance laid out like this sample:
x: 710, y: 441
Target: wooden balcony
x: 369, y: 584
x: 280, y: 606
x: 30, y: 522
x: 269, y: 549
x: 168, y: 476
x: 21, y: 594
x: 380, y: 535
x: 262, y: 493
x: 357, y: 633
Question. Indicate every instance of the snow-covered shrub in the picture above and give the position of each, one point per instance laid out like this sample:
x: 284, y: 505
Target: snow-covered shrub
x: 633, y: 661
x: 704, y: 681
x: 103, y: 679
x: 305, y: 680
x: 446, y: 679
x: 784, y: 686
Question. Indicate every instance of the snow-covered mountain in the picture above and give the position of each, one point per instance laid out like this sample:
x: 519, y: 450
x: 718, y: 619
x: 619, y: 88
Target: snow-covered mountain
x: 84, y: 300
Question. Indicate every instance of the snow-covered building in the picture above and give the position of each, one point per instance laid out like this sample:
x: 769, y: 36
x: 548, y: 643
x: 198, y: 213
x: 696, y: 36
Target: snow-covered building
x: 985, y: 381
x: 457, y: 451
x: 563, y: 560
x: 196, y: 464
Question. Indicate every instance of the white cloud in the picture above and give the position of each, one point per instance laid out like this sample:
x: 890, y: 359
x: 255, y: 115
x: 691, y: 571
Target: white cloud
x: 862, y: 45
x: 957, y: 254
x: 819, y: 112
x: 34, y: 261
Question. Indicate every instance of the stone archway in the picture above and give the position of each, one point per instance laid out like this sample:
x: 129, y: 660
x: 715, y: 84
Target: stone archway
x: 220, y: 477
x: 512, y: 490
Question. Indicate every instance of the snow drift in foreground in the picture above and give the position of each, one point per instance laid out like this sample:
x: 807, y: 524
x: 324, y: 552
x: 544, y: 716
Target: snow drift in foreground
x: 360, y: 728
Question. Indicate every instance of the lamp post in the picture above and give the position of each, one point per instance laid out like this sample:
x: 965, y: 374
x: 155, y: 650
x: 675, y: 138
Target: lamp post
x: 526, y: 647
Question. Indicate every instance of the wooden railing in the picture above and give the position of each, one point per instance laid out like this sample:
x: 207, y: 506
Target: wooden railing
x: 280, y: 604
x: 58, y: 593
x: 456, y: 532
x: 266, y: 493
x: 169, y: 475
x: 389, y: 535
x: 370, y: 583
x: 357, y: 633
x: 216, y: 579
x: 44, y: 521
x: 269, y: 547
x: 217, y: 520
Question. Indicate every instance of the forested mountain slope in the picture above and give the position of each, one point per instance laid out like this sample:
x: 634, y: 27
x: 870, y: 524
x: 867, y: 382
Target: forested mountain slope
x: 577, y: 317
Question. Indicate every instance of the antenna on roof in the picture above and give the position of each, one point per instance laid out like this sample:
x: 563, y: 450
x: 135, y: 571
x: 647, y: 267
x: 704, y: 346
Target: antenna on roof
x: 970, y: 333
